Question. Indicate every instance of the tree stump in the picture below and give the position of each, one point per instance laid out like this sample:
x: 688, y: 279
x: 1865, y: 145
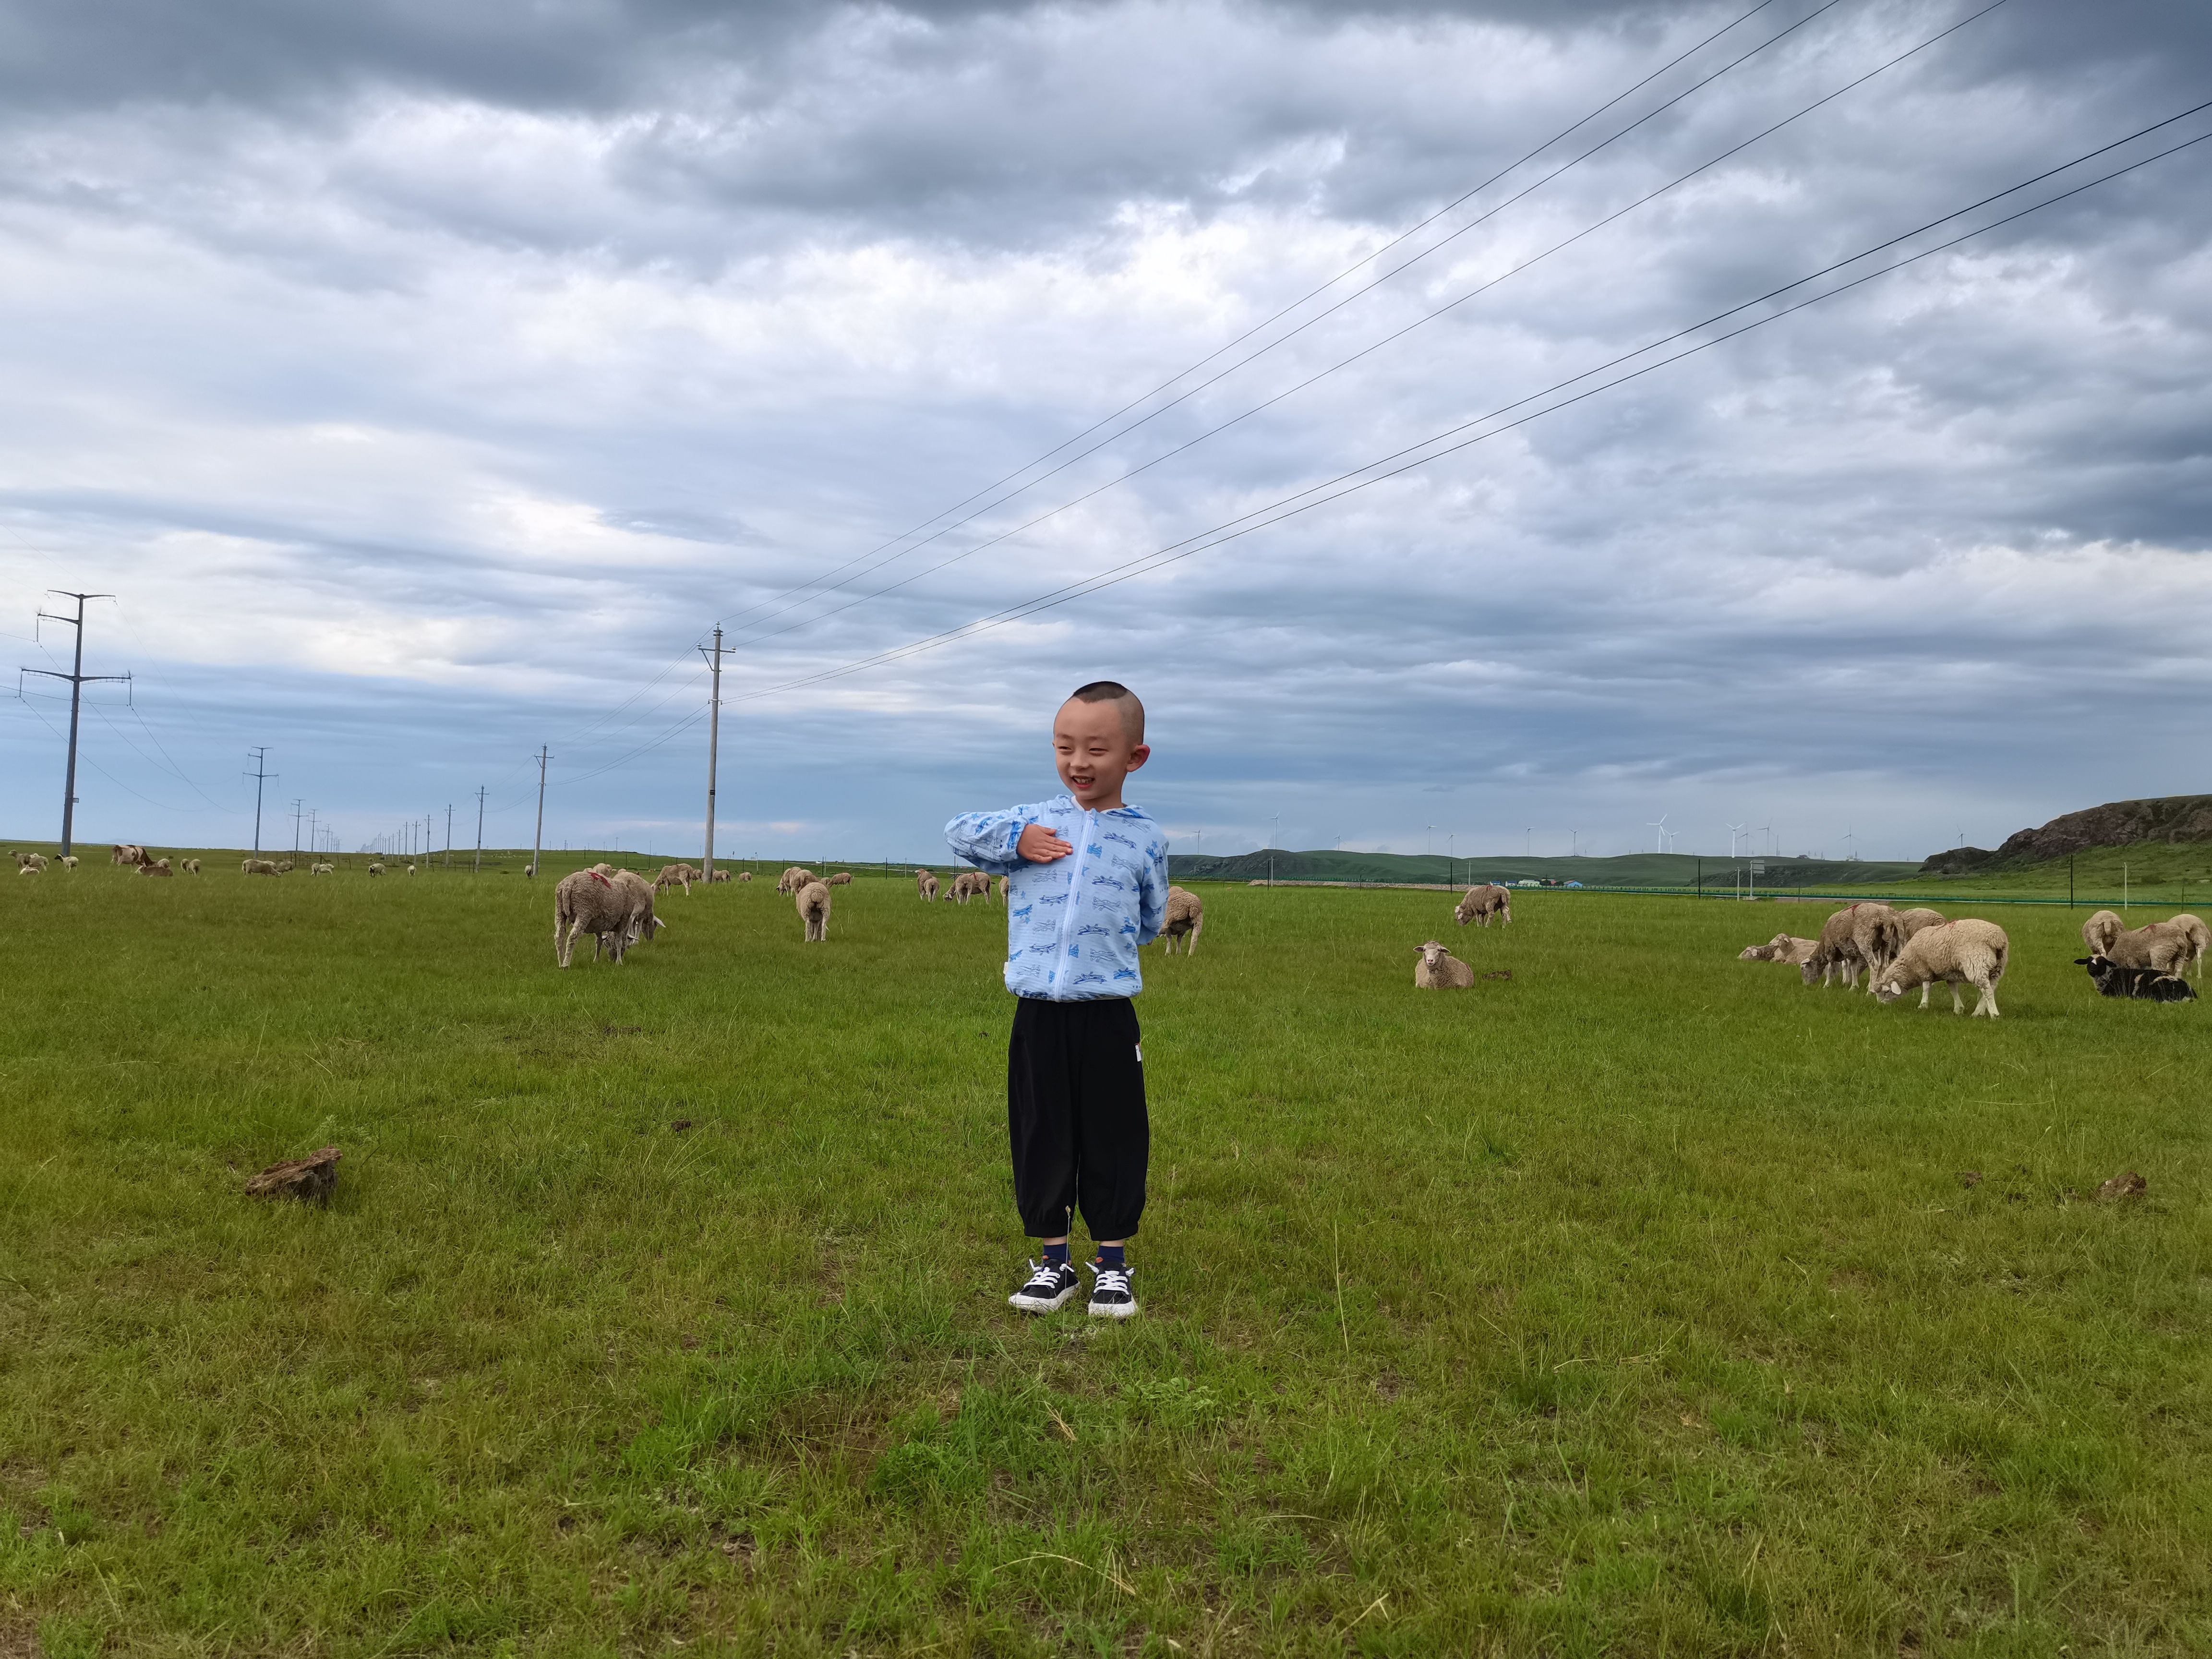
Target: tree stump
x: 313, y: 1176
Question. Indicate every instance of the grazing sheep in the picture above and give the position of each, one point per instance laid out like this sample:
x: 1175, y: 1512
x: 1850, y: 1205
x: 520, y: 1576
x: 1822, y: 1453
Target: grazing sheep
x: 322, y: 869
x: 1878, y: 934
x: 284, y: 867
x: 2147, y: 984
x: 2157, y: 945
x: 592, y: 901
x: 1438, y: 969
x: 927, y: 883
x: 644, y: 924
x: 814, y: 910
x: 675, y: 875
x: 1783, y: 947
x: 155, y: 867
x: 191, y: 867
x: 374, y: 870
x: 411, y: 869
x: 1483, y: 902
x: 256, y: 867
x: 69, y: 862
x: 1968, y: 951
x: 1841, y: 950
x: 744, y: 875
x: 968, y: 884
x: 792, y: 879
x: 30, y: 864
x: 124, y: 853
x: 1185, y: 919
x: 842, y: 878
x: 998, y: 889
x: 2198, y: 935
x: 2100, y: 930
x: 721, y: 875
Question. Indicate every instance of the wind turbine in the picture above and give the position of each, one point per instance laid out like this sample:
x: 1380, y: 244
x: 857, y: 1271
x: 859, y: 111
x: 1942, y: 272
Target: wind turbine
x: 1734, y: 829
x: 1766, y: 838
x: 1661, y: 826
x: 1850, y: 843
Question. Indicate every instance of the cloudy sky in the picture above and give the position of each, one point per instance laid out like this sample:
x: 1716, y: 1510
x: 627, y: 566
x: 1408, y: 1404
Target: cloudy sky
x: 425, y: 382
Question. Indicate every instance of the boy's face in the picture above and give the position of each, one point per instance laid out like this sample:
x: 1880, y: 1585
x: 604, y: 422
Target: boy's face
x: 1091, y: 747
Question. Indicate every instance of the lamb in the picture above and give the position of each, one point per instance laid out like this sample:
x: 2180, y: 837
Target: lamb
x: 2146, y: 983
x: 30, y: 864
x: 1438, y: 969
x: 1185, y: 919
x: 1483, y: 902
x: 191, y: 867
x: 156, y: 867
x: 1968, y: 951
x: 69, y: 862
x: 927, y: 883
x: 2157, y: 945
x: 792, y: 879
x: 2198, y: 935
x: 842, y: 878
x: 592, y: 901
x: 2100, y: 930
x: 256, y: 867
x: 1783, y: 947
x: 322, y: 869
x: 814, y: 910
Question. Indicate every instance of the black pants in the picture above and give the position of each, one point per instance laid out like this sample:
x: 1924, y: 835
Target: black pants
x: 1075, y: 1112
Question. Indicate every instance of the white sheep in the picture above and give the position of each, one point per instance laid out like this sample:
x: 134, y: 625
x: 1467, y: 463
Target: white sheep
x: 1438, y: 969
x: 2198, y: 935
x: 676, y: 875
x: 2100, y: 930
x: 69, y: 862
x: 191, y: 867
x: 842, y: 878
x: 1185, y: 919
x: 814, y: 910
x: 744, y: 875
x: 592, y: 901
x: 925, y: 882
x: 322, y: 869
x: 1783, y: 947
x: 792, y: 879
x: 1864, y: 935
x: 998, y: 889
x: 1968, y: 951
x: 1483, y: 902
x: 30, y: 864
x: 2158, y: 944
x: 374, y: 870
x: 969, y: 883
x: 256, y: 867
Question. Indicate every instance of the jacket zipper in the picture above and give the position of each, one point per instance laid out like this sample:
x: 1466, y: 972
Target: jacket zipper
x: 1074, y: 898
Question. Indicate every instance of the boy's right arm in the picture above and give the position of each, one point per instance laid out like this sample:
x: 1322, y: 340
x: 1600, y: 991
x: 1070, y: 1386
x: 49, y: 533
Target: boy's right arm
x: 989, y: 840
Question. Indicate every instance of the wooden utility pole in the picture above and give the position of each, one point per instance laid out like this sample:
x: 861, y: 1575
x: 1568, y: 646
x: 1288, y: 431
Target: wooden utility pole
x: 78, y: 680
x: 537, y: 843
x: 713, y: 740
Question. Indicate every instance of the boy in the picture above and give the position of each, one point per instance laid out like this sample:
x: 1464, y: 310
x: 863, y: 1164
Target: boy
x: 1087, y: 886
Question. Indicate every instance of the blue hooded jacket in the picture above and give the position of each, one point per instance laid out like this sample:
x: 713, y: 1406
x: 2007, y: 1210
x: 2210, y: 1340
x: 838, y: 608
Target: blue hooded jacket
x: 1074, y: 927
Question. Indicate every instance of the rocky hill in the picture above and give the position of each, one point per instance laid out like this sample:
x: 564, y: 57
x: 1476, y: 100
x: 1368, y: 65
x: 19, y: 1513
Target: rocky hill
x: 2167, y: 819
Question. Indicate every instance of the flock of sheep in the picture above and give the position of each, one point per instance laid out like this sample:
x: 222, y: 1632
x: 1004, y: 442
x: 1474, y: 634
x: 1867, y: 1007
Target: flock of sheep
x: 135, y: 858
x: 1902, y: 950
x: 615, y: 907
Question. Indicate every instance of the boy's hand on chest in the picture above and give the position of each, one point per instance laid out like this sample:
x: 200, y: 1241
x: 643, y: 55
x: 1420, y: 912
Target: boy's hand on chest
x: 1042, y: 846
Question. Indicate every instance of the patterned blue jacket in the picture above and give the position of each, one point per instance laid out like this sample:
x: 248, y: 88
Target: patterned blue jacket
x: 1073, y: 925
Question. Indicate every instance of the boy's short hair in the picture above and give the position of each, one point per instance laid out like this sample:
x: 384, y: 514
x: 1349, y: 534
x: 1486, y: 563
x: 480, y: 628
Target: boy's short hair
x: 1132, y: 711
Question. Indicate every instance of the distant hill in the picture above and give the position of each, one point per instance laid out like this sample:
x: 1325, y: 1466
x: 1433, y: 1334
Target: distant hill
x: 1632, y: 870
x: 2168, y: 820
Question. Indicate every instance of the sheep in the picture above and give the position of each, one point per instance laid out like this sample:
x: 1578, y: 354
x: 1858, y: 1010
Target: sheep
x: 322, y: 869
x: 720, y: 875
x: 1968, y: 951
x: 2146, y: 983
x: 675, y: 875
x: 1483, y: 902
x: 1783, y: 947
x: 1185, y: 919
x: 2198, y: 935
x: 1879, y: 934
x: 644, y: 924
x: 744, y: 875
x: 155, y: 867
x: 30, y: 864
x: 256, y: 867
x: 2157, y: 945
x: 792, y: 879
x: 814, y: 910
x: 124, y: 853
x: 998, y: 889
x: 926, y: 883
x: 842, y: 878
x: 592, y: 901
x: 191, y: 867
x: 411, y: 869
x: 1914, y: 921
x: 1438, y: 969
x: 69, y: 862
x: 968, y: 884
x: 374, y: 870
x: 2100, y: 930
x: 284, y: 868
x: 1847, y: 942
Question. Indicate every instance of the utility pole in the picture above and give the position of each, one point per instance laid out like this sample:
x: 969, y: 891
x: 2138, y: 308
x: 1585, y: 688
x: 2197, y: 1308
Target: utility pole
x: 449, y: 835
x: 481, y: 793
x: 298, y: 812
x: 78, y: 679
x: 260, y: 775
x: 315, y: 841
x: 537, y: 845
x: 714, y: 739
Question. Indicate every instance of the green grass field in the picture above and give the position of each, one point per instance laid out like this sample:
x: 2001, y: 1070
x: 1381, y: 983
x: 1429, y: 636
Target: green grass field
x: 1633, y: 1305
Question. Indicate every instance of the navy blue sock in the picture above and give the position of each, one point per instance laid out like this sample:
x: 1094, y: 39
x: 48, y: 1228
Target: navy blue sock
x: 1113, y: 1255
x: 1055, y: 1255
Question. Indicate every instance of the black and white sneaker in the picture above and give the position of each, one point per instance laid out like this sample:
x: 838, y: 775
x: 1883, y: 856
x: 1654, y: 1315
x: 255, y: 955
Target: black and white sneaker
x: 1110, y: 1295
x: 1050, y: 1285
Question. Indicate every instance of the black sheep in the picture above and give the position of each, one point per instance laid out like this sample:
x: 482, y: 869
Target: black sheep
x: 2146, y: 983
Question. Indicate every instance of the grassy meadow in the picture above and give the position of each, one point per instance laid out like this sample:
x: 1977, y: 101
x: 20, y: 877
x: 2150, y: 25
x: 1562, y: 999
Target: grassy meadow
x: 1635, y: 1304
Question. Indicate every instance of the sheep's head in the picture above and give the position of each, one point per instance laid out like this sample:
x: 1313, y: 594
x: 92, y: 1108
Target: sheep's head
x: 1889, y: 990
x: 1432, y: 952
x: 1809, y: 971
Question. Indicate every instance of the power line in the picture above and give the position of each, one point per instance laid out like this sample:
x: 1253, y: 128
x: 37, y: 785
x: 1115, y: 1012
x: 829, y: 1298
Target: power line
x: 1286, y: 508
x: 1375, y: 346
x: 863, y: 559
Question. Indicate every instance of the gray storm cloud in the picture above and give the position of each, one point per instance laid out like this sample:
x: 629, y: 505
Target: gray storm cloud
x: 426, y: 381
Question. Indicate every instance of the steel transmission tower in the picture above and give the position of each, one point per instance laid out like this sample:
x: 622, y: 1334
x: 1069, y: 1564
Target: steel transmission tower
x: 78, y: 680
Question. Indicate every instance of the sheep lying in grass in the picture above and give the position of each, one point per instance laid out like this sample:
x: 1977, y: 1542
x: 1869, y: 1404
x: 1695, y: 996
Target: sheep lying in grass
x: 814, y: 910
x: 1185, y: 919
x: 2146, y: 984
x: 1968, y: 951
x: 155, y: 867
x: 257, y: 868
x: 1483, y: 902
x: 30, y: 864
x: 2100, y: 930
x: 1783, y: 947
x: 842, y: 878
x: 1438, y: 969
x: 925, y: 883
